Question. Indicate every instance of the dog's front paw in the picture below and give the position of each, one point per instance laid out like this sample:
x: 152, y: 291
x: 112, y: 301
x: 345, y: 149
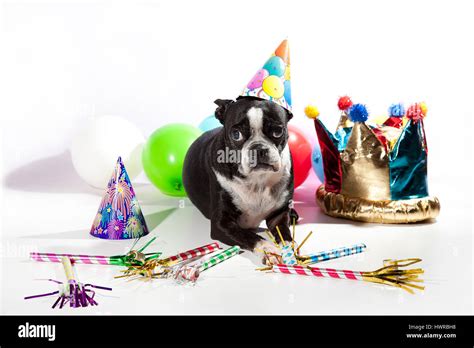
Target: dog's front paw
x: 271, y: 255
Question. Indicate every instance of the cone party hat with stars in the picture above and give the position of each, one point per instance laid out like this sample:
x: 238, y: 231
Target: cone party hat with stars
x: 119, y: 215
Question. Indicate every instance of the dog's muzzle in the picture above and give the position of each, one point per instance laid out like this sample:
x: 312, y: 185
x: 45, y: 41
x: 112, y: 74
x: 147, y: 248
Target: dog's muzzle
x: 261, y: 157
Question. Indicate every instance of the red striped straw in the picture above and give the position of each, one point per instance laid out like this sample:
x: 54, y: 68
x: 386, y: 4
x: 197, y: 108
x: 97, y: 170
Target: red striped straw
x: 191, y: 254
x: 392, y: 273
x: 317, y: 272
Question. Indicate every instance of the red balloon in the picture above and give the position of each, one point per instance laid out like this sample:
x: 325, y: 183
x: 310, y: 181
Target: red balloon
x: 300, y: 149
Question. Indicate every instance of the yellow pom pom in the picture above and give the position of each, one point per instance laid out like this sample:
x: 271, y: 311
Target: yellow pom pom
x: 424, y: 108
x: 311, y: 111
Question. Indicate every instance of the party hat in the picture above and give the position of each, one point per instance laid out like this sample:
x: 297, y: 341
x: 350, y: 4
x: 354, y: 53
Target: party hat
x: 378, y: 173
x: 272, y: 81
x: 119, y: 215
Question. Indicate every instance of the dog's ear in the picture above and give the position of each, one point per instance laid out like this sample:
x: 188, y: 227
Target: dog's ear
x: 289, y: 115
x: 222, y: 106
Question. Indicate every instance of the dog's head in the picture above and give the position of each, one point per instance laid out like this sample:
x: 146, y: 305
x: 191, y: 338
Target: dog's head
x: 256, y: 130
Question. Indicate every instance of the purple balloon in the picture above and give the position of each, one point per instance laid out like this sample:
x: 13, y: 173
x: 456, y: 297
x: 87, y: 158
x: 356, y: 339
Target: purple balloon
x: 257, y: 80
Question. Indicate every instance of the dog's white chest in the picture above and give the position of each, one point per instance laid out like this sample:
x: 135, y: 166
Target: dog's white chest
x: 255, y: 205
x: 255, y: 198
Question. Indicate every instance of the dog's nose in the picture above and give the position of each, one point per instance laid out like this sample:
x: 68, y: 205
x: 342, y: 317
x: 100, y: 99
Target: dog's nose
x: 260, y: 152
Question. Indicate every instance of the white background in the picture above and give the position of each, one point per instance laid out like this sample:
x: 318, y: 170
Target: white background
x: 155, y: 62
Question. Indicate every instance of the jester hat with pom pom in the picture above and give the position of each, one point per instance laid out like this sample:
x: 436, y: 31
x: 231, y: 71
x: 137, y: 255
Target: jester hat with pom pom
x: 375, y: 173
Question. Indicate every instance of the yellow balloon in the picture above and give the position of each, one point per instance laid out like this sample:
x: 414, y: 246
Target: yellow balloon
x: 287, y: 73
x: 273, y: 86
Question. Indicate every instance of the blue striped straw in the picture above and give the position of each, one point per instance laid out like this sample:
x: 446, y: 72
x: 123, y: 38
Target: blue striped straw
x: 333, y: 254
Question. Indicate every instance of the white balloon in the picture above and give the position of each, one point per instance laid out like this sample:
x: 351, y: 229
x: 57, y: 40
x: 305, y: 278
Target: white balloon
x: 96, y: 147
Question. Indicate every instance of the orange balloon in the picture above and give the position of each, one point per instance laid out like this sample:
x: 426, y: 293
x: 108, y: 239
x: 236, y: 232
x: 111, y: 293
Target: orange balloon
x: 283, y: 51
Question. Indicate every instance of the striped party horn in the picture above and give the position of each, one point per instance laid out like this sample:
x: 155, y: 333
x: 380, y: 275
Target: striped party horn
x: 317, y: 272
x: 117, y: 260
x: 288, y: 255
x: 218, y: 258
x: 167, y: 267
x: 391, y: 274
x: 332, y: 254
x: 133, y: 257
x: 189, y: 274
x: 191, y: 254
x: 76, y: 258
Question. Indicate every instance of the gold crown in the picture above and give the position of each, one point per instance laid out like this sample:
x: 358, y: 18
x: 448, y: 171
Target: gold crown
x: 375, y: 173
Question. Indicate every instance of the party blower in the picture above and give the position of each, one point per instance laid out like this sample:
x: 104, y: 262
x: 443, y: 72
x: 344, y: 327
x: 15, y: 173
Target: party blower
x: 290, y: 254
x: 391, y: 274
x: 132, y: 258
x: 190, y: 274
x: 167, y: 267
x: 73, y: 292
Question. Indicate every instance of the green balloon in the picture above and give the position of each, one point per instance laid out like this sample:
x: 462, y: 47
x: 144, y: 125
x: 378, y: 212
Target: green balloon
x: 163, y: 156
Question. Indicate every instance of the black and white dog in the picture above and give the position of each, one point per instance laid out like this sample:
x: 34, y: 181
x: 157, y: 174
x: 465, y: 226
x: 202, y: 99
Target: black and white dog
x: 241, y: 174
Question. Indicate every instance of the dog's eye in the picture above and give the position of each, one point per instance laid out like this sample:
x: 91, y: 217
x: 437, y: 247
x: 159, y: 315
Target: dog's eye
x: 236, y: 135
x: 277, y: 132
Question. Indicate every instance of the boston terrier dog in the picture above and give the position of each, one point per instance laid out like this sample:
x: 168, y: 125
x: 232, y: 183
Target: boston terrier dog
x: 241, y: 174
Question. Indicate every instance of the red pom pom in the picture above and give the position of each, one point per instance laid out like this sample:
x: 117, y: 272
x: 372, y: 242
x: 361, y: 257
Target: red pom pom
x: 415, y: 112
x: 344, y: 103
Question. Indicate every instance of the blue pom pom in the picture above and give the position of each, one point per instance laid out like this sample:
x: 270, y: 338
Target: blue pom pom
x: 358, y: 113
x: 396, y: 110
